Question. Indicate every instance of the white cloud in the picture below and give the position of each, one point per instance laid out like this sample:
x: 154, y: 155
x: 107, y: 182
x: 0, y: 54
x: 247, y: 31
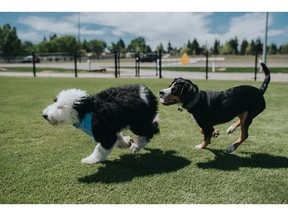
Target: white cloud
x: 44, y: 26
x: 155, y: 27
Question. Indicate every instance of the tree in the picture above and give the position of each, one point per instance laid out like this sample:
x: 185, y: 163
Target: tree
x: 233, y: 43
x: 272, y: 49
x: 216, y: 46
x: 160, y: 47
x: 97, y: 46
x: 67, y: 44
x: 195, y: 48
x: 250, y: 49
x: 243, y: 47
x: 121, y: 45
x: 9, y: 41
x: 138, y: 45
x: 169, y: 48
x: 27, y: 47
x: 189, y: 48
x: 283, y: 49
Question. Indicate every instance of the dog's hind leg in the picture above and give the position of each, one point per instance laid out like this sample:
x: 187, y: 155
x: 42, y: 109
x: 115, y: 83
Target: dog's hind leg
x: 244, y: 123
x: 139, y: 143
x: 123, y: 142
x: 145, y: 131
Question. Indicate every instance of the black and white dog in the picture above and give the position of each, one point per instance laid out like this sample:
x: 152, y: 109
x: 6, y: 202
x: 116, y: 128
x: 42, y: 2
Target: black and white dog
x: 212, y: 108
x: 104, y: 115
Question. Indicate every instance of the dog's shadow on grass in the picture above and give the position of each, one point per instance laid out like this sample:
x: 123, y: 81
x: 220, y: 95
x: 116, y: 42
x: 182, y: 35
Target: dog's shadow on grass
x: 136, y: 165
x: 230, y: 162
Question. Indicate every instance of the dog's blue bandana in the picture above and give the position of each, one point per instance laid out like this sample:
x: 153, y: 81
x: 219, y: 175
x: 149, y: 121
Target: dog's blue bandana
x: 86, y: 125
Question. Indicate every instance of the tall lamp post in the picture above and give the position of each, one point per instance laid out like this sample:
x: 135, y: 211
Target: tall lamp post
x: 265, y: 40
x: 79, y: 48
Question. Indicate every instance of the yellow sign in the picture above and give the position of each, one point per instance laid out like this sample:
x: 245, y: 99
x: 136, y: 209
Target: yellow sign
x: 185, y: 59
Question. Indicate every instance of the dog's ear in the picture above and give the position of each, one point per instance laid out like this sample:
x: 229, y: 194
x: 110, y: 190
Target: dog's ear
x: 189, y: 90
x: 83, y: 106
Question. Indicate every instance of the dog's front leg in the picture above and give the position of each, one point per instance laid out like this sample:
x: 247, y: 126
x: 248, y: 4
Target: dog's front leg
x: 99, y: 155
x: 207, y: 138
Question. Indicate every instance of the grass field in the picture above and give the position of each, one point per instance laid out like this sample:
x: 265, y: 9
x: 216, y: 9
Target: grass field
x: 40, y: 163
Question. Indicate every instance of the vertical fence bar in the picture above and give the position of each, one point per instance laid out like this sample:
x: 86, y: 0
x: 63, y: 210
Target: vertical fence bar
x: 116, y: 64
x: 255, y: 69
x: 160, y: 64
x: 75, y: 64
x: 34, y: 64
x: 206, y: 65
x: 118, y: 59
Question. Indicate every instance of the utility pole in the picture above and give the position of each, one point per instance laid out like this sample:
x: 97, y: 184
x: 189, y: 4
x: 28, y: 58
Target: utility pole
x: 79, y: 44
x: 265, y: 40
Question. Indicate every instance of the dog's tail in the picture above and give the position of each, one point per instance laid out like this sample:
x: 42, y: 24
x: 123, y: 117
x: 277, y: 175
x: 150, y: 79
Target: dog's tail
x: 266, y: 81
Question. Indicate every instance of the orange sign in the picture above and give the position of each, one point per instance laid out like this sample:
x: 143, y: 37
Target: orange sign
x: 185, y: 59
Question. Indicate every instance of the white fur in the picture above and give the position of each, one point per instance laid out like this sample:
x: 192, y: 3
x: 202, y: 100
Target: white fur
x: 62, y: 110
x: 166, y: 92
x: 141, y: 142
x: 99, y: 155
x: 143, y: 94
x: 123, y: 142
x: 198, y: 146
x: 231, y: 129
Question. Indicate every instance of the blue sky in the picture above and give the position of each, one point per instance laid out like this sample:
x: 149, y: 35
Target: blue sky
x: 155, y: 27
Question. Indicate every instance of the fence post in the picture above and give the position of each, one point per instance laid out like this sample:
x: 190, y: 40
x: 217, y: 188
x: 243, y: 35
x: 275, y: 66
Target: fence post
x: 118, y: 59
x: 206, y: 65
x: 116, y: 64
x: 75, y: 64
x: 34, y: 64
x: 160, y: 64
x: 255, y: 69
x: 137, y: 65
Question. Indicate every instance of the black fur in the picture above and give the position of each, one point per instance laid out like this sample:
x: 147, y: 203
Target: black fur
x: 117, y: 108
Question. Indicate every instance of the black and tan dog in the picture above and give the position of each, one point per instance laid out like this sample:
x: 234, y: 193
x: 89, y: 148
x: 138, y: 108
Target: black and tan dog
x: 212, y: 108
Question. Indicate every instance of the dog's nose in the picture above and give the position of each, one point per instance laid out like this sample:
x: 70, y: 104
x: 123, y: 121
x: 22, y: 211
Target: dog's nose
x: 45, y: 116
x: 161, y: 93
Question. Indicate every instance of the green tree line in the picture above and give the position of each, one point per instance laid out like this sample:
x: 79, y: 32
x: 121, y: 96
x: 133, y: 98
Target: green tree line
x: 10, y: 44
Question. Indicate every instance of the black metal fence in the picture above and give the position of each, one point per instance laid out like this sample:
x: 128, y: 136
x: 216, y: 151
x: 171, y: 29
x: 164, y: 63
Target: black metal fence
x: 140, y: 59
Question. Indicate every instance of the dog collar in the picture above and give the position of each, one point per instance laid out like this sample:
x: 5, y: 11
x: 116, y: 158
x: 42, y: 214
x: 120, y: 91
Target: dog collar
x: 193, y: 102
x: 86, y: 125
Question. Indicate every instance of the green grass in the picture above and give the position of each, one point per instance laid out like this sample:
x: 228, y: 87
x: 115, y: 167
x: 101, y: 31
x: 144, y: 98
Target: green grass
x: 217, y: 69
x: 40, y: 163
x: 41, y: 69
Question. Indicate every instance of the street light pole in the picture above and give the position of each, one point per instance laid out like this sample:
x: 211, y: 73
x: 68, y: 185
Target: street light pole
x: 265, y: 40
x: 79, y: 48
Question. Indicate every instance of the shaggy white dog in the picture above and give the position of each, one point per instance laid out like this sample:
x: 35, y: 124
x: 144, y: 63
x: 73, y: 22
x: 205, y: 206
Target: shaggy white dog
x: 104, y: 115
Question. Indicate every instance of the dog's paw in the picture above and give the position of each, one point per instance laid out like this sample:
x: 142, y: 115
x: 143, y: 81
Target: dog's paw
x: 200, y: 146
x: 128, y: 140
x: 216, y: 133
x: 125, y: 142
x: 231, y: 149
x: 90, y: 160
x: 134, y: 148
x: 231, y: 129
